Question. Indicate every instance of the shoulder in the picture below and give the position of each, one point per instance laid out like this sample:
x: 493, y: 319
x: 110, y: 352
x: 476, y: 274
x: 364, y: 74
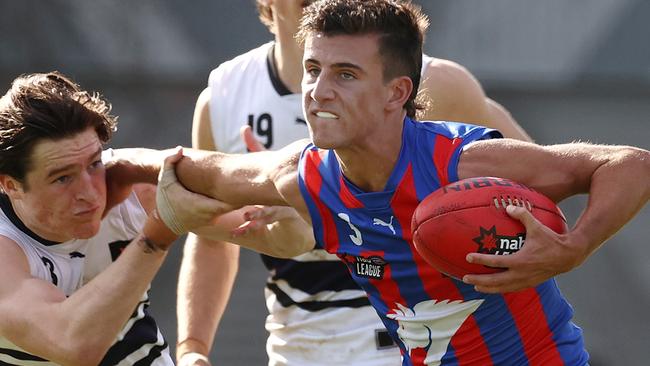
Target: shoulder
x: 11, y: 252
x: 453, y: 92
x: 15, y: 265
x: 453, y: 130
x: 445, y: 72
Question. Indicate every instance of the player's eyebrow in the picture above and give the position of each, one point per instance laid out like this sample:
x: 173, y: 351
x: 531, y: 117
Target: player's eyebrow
x: 57, y: 171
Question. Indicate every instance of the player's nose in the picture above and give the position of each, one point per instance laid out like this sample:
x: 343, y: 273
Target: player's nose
x: 86, y: 188
x: 322, y: 89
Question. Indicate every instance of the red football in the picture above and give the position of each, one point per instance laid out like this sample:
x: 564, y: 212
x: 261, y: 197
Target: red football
x: 469, y: 216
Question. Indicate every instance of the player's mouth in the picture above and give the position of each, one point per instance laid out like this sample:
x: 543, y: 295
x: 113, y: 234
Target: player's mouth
x: 326, y: 115
x: 87, y: 212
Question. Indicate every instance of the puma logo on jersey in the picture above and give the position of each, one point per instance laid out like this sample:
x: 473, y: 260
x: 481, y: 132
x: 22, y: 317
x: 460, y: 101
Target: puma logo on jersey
x: 389, y: 224
x: 301, y: 121
x: 356, y: 238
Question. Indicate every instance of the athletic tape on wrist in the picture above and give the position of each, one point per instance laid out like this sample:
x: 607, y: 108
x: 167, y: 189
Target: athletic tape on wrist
x: 167, y: 178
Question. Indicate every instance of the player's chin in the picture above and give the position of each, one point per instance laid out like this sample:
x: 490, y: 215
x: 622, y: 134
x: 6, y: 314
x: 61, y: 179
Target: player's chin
x: 324, y: 143
x: 87, y: 229
x: 325, y: 139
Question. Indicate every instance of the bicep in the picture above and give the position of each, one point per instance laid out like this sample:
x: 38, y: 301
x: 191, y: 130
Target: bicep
x: 558, y: 171
x: 201, y: 123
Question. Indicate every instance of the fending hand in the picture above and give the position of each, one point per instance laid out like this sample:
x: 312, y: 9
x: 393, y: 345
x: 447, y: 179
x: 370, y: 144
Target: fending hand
x: 181, y: 209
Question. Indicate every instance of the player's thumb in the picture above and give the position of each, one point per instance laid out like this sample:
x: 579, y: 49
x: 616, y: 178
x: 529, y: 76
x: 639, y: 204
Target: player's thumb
x: 167, y: 174
x: 251, y: 142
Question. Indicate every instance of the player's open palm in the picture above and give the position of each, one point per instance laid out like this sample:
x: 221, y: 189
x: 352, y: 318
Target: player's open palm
x: 545, y: 254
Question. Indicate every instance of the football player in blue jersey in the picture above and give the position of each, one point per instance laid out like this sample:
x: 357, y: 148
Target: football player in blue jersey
x: 261, y: 88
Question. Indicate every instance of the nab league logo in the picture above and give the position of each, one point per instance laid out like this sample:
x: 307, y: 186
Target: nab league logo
x: 371, y: 267
x: 489, y: 242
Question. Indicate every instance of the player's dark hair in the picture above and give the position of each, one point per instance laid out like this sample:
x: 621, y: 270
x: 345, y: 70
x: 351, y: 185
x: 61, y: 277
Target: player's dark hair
x: 400, y: 25
x: 46, y: 106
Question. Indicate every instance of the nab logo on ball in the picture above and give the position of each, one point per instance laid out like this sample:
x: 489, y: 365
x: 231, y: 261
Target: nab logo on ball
x: 489, y: 242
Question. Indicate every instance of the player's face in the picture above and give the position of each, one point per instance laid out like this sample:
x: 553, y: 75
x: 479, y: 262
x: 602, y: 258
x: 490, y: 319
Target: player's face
x: 65, y: 191
x: 343, y: 90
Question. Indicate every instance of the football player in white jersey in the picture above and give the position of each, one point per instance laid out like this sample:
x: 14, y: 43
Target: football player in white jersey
x: 313, y: 319
x: 74, y: 272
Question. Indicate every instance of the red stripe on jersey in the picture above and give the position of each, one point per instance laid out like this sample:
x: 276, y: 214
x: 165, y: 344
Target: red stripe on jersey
x: 437, y: 285
x: 442, y: 152
x: 347, y: 197
x: 537, y: 339
x: 404, y: 202
x: 418, y: 355
x: 468, y: 337
x: 314, y: 183
x: 387, y: 288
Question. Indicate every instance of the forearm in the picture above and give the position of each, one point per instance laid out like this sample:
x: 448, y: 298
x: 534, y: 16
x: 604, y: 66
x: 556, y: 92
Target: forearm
x: 613, y: 200
x: 234, y: 179
x: 206, y: 277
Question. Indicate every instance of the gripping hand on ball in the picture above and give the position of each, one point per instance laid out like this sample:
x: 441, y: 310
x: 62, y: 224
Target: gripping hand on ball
x: 544, y: 255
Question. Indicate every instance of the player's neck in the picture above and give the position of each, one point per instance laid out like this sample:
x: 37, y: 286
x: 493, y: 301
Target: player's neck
x: 369, y: 164
x: 288, y: 60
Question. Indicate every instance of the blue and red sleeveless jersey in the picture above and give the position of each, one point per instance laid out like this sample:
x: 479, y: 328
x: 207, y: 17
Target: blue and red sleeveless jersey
x: 436, y: 320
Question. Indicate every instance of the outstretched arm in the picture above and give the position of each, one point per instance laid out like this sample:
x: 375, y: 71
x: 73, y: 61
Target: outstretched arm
x: 267, y: 177
x: 617, y: 179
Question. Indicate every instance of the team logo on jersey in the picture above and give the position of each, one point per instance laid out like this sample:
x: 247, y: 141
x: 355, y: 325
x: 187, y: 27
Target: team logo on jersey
x: 371, y: 267
x: 388, y: 224
x: 356, y: 238
x: 489, y: 242
x: 431, y: 324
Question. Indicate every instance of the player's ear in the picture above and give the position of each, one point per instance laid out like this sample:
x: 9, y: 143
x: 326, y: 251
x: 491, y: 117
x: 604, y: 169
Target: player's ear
x: 10, y: 186
x: 399, y: 91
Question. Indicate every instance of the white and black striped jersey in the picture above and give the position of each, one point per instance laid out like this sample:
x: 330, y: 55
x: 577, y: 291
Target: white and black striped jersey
x: 317, y: 314
x: 70, y: 264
